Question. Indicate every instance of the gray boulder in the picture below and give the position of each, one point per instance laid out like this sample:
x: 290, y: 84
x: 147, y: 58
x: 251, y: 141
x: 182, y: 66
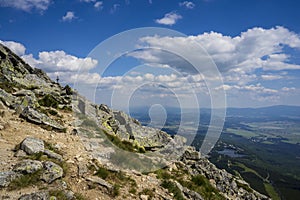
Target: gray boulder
x: 53, y: 155
x: 28, y: 166
x: 32, y: 145
x: 6, y: 98
x: 6, y: 178
x: 51, y: 172
x: 188, y: 194
x: 100, y: 181
x: 34, y: 116
x: 35, y: 196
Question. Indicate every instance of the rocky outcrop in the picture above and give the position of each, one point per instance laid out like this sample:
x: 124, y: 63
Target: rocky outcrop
x: 40, y: 118
x: 30, y: 92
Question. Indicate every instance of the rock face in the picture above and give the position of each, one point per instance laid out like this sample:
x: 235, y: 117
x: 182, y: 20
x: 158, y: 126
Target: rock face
x: 30, y: 92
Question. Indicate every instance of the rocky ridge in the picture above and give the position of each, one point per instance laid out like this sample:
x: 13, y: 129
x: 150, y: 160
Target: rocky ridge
x: 55, y: 144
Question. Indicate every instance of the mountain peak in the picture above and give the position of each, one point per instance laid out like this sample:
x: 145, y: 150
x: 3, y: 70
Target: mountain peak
x: 69, y: 148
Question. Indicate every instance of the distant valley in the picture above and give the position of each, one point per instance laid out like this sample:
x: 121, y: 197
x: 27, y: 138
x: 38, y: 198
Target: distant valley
x: 262, y: 145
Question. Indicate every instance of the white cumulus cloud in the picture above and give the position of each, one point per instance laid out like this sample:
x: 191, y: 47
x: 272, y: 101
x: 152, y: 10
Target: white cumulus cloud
x: 16, y: 47
x: 60, y: 61
x: 98, y: 5
x: 187, y: 4
x: 169, y: 19
x: 69, y: 16
x: 26, y: 5
x: 257, y: 48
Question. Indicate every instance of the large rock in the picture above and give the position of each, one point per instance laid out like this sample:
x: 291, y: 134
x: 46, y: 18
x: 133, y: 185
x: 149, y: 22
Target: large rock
x: 28, y: 166
x: 40, y: 118
x: 191, y: 154
x: 6, y: 178
x: 187, y: 193
x: 51, y: 172
x: 100, y: 181
x: 6, y: 98
x: 35, y: 196
x: 32, y: 145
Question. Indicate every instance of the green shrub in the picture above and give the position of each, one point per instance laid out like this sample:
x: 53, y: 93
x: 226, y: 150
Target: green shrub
x: 244, y: 186
x: 148, y: 192
x: 163, y: 174
x: 59, y: 194
x: 132, y: 190
x: 79, y: 196
x: 25, y: 180
x: 172, y: 188
x: 116, y: 190
x: 48, y: 101
x: 102, y: 173
x: 199, y: 180
x: 52, y: 112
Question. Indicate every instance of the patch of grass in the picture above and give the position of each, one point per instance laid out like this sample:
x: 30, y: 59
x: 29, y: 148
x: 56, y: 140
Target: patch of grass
x: 163, y: 174
x: 271, y: 191
x: 197, y: 183
x: 132, y: 190
x: 119, y: 179
x: 124, y: 144
x: 201, y: 185
x: 48, y: 101
x: 116, y: 190
x: 149, y: 192
x: 172, y: 188
x: 79, y: 196
x: 243, y: 133
x: 244, y: 186
x: 32, y: 87
x: 59, y: 194
x: 102, y: 173
x: 25, y: 181
x: 53, y: 112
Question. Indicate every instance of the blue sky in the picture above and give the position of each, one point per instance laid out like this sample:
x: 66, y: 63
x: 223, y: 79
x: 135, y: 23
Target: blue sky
x: 255, y: 44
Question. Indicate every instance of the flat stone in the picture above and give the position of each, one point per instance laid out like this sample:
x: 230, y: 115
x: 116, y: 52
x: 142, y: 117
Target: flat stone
x: 100, y: 181
x: 32, y: 145
x: 53, y: 155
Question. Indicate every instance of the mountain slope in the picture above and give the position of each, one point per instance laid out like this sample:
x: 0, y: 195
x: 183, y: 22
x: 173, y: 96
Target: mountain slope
x: 54, y: 144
